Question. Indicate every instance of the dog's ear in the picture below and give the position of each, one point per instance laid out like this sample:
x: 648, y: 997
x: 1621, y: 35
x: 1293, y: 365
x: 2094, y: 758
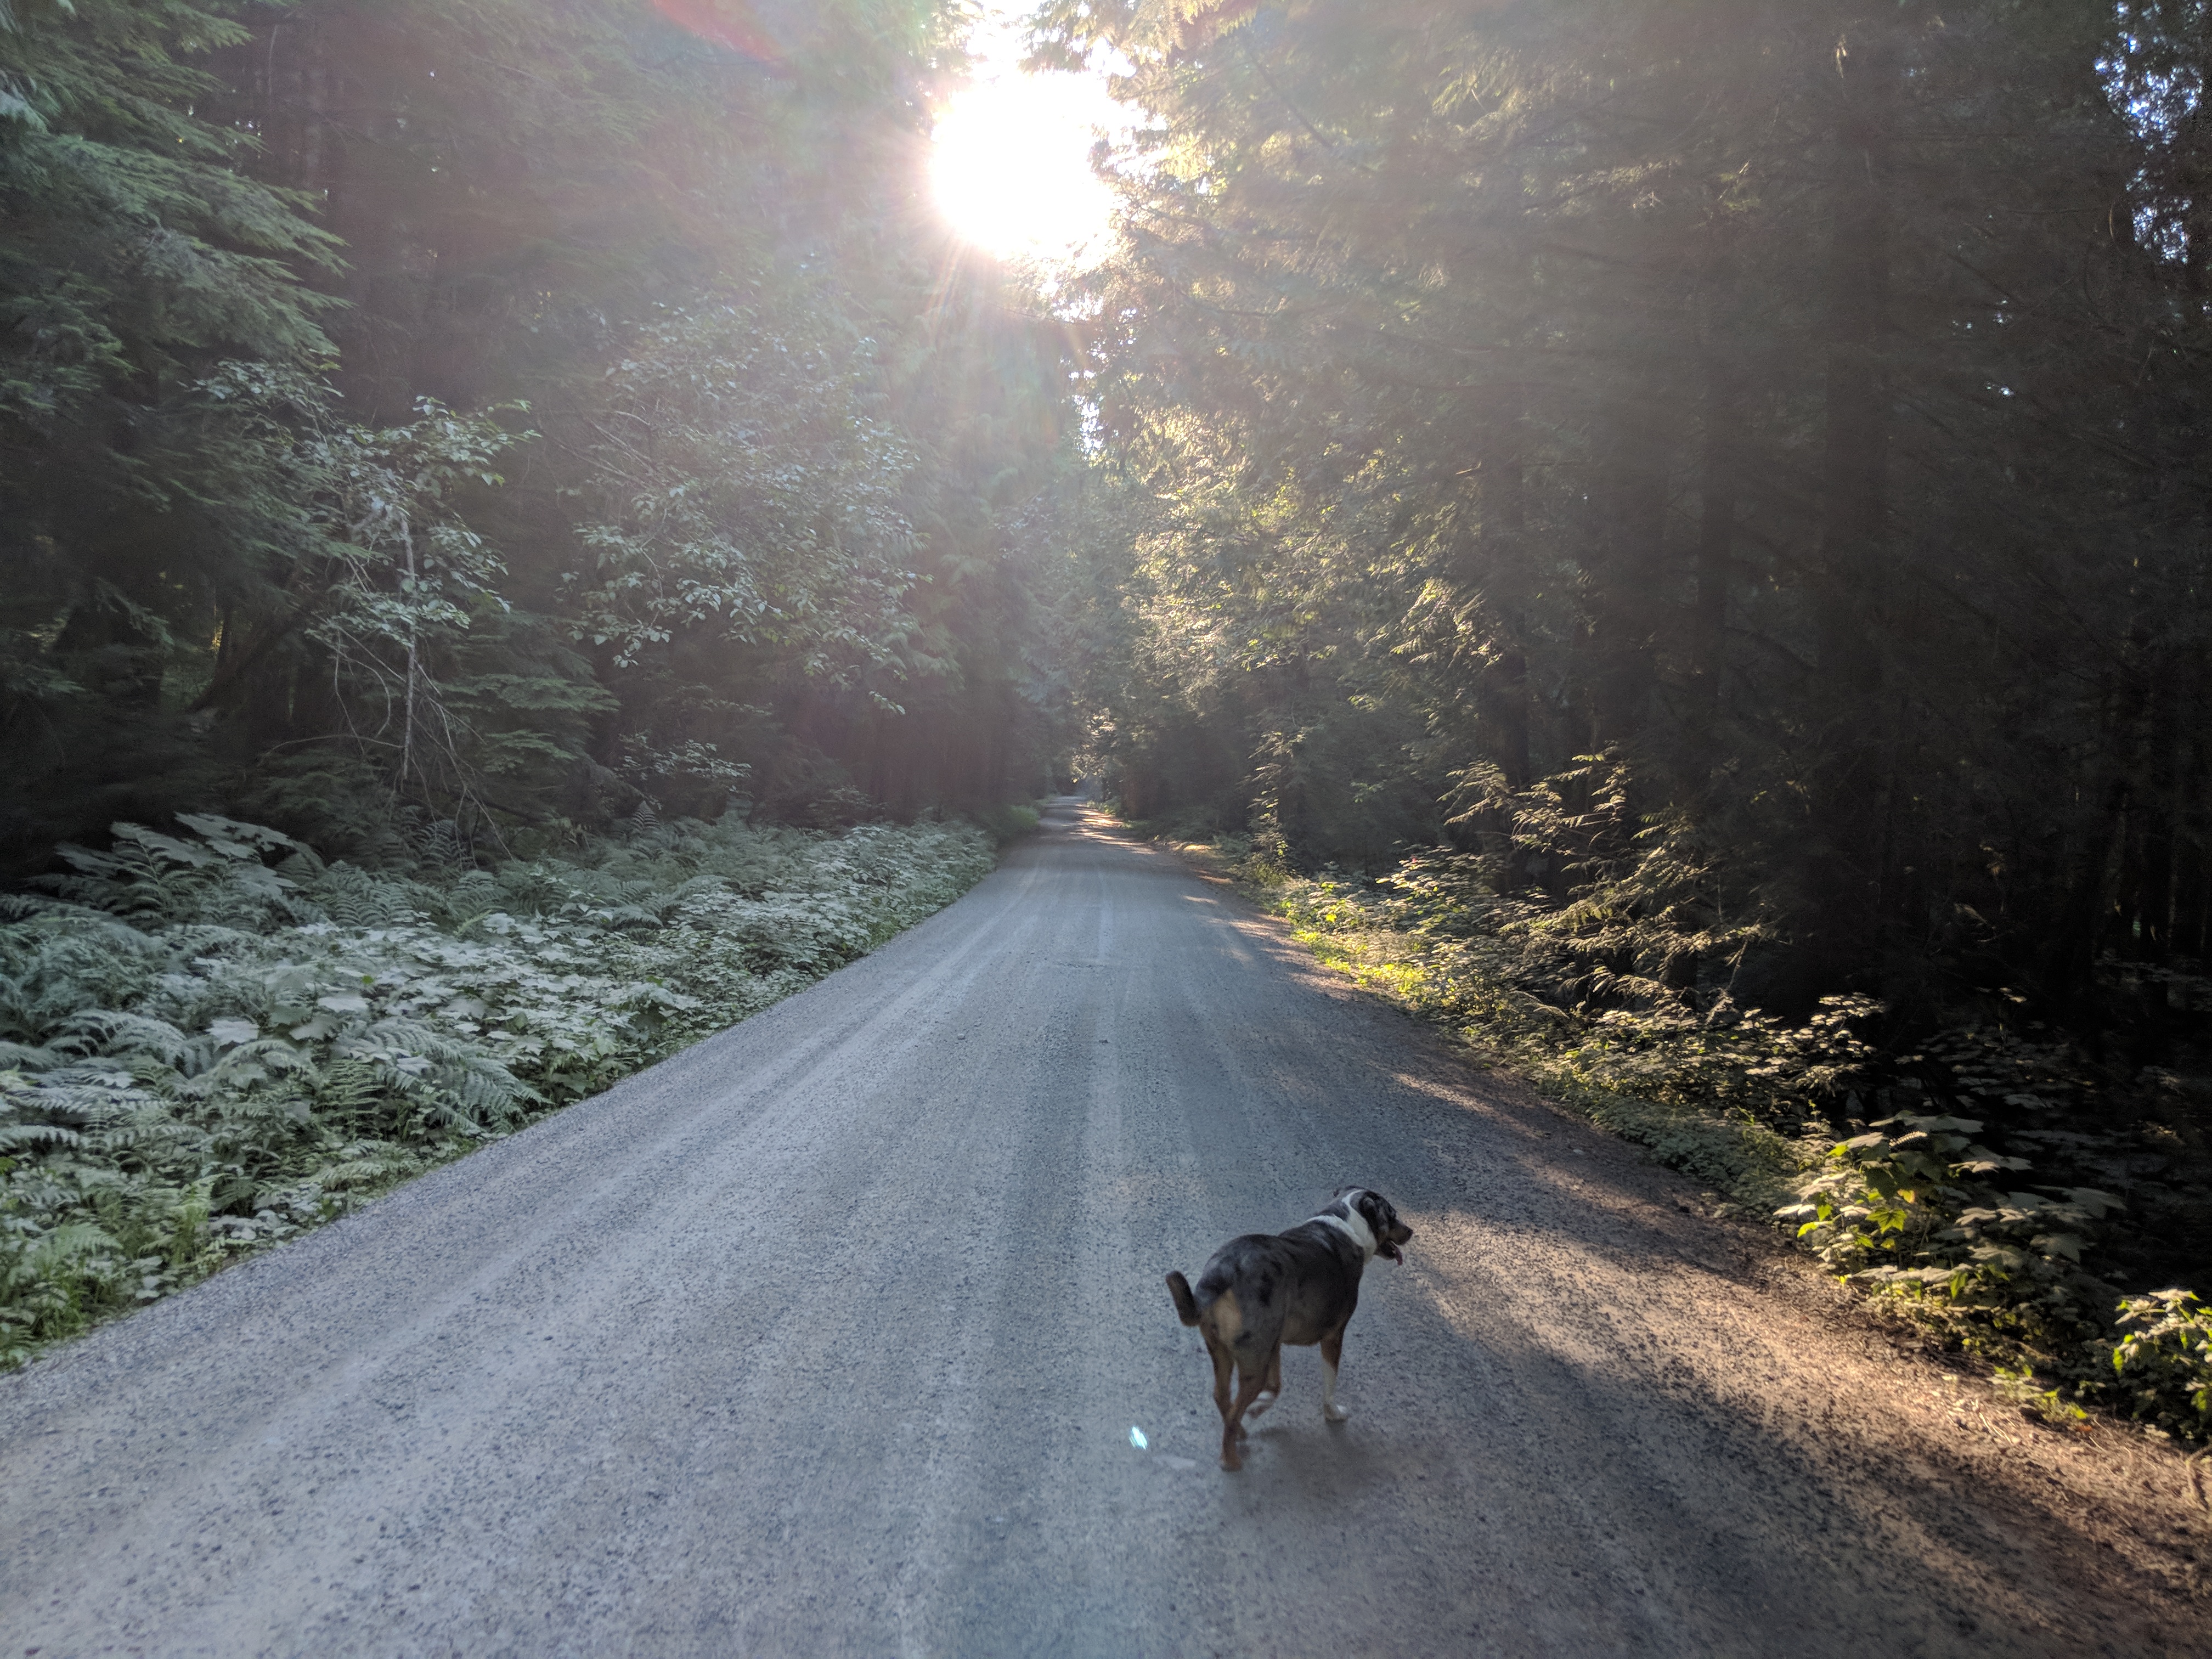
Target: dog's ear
x: 1382, y: 1216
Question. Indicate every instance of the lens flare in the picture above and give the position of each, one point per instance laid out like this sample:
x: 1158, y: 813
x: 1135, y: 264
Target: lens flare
x: 731, y: 23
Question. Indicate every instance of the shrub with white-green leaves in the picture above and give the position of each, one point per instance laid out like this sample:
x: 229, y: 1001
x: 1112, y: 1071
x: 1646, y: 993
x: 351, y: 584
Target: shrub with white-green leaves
x: 211, y: 1039
x: 2163, y: 1361
x: 1917, y: 1207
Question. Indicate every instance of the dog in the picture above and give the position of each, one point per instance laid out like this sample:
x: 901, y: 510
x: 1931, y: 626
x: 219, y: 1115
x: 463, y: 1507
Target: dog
x: 1262, y: 1290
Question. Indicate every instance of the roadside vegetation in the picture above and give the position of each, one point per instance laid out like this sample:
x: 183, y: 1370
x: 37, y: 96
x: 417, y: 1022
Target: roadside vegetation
x: 211, y: 1039
x: 1994, y: 1183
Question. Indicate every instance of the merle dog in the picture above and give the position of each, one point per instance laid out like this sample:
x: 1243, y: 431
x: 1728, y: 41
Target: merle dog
x: 1264, y: 1289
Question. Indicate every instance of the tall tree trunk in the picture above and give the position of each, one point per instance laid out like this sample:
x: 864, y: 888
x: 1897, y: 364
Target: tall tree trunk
x: 2153, y: 890
x: 2194, y: 848
x: 1505, y: 522
x: 1511, y: 682
x: 1717, y: 511
x: 2070, y: 977
x: 1854, y: 463
x: 1632, y: 559
x: 1853, y: 557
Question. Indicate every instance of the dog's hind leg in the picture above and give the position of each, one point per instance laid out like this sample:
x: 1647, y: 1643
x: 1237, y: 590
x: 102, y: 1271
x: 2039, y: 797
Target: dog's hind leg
x: 1225, y: 1363
x: 1271, y: 1391
x: 1332, y: 1352
x: 1233, y: 1424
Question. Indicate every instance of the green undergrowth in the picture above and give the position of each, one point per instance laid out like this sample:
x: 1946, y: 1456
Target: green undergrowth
x: 212, y: 1039
x: 1982, y: 1243
x: 1005, y: 825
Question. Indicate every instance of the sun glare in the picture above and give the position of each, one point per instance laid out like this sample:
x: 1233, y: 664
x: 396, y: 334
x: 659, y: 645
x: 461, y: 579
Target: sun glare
x: 1011, y: 162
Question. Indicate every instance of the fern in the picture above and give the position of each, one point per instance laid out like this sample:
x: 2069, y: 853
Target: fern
x: 211, y: 1039
x: 347, y: 1093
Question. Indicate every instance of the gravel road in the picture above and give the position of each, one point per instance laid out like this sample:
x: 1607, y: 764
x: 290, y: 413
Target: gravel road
x: 828, y: 1337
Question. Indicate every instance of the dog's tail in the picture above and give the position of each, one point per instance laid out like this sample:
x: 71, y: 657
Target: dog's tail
x: 1185, y: 1304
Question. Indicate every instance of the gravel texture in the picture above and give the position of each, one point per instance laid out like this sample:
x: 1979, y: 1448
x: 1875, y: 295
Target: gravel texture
x: 828, y: 1337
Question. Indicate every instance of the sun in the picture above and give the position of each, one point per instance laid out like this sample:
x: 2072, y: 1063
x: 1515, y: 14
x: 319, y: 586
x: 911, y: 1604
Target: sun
x: 1010, y: 163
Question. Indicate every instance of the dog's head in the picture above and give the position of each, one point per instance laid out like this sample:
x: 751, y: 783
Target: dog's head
x: 1380, y: 1218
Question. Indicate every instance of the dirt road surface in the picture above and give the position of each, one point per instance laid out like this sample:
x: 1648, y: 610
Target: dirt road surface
x: 828, y: 1337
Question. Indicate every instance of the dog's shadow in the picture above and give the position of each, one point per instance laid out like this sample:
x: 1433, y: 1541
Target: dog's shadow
x: 1292, y: 1451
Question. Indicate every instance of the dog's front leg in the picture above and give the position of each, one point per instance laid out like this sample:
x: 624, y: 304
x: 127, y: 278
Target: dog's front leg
x: 1332, y: 1351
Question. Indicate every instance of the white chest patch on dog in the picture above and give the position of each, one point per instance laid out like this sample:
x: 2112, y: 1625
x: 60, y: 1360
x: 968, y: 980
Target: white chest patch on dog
x: 1355, y: 1228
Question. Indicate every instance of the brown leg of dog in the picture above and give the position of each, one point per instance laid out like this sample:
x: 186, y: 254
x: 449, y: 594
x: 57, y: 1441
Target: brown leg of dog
x: 1232, y: 1421
x: 1272, y: 1389
x: 1332, y: 1351
x: 1223, y: 1364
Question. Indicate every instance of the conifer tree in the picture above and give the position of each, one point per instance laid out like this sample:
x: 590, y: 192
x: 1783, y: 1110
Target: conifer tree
x: 1776, y: 397
x: 147, y: 280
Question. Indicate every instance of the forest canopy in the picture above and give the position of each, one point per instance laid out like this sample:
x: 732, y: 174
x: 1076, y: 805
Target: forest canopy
x: 1781, y: 427
x: 512, y: 414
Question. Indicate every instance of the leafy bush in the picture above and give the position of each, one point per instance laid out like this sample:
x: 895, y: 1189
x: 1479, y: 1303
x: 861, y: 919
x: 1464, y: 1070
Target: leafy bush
x: 212, y: 1039
x: 1913, y: 1208
x: 2025, y: 1390
x: 1558, y: 991
x: 1581, y: 952
x: 1011, y: 822
x: 2163, y: 1361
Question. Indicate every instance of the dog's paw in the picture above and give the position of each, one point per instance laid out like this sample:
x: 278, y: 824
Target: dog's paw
x: 1336, y: 1414
x: 1260, y: 1407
